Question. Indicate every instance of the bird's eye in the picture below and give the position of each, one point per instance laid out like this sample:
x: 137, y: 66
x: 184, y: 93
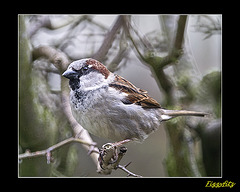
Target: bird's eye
x: 85, y: 68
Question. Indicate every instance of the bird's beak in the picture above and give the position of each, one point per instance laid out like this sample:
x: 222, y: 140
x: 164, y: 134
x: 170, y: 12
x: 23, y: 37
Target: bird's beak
x: 70, y: 74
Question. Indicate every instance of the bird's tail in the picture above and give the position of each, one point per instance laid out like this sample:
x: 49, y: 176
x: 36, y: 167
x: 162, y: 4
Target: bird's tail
x: 169, y: 114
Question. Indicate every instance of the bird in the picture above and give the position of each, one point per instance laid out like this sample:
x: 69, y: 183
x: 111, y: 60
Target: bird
x: 111, y: 107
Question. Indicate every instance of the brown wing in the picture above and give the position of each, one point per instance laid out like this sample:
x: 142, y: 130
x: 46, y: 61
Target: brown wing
x: 135, y: 95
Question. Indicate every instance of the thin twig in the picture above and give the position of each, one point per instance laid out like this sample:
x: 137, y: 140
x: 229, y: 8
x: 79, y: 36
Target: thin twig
x: 28, y: 154
x: 127, y: 28
x: 127, y: 171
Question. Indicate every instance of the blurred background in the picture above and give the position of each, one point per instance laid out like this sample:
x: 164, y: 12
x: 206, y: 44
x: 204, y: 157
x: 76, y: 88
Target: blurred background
x: 130, y: 46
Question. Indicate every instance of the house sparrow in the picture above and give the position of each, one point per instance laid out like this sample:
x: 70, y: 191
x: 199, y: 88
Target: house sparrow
x: 109, y: 106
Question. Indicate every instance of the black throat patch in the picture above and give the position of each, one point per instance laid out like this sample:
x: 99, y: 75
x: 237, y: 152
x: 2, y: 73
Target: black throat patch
x: 74, y: 84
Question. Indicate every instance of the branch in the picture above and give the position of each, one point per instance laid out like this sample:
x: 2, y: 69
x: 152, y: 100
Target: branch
x: 107, y: 42
x: 78, y: 130
x: 108, y: 157
x: 48, y: 151
x: 176, y: 51
x: 180, y: 33
x: 159, y: 63
x: 127, y: 26
x: 39, y: 22
x: 127, y: 171
x: 58, y: 58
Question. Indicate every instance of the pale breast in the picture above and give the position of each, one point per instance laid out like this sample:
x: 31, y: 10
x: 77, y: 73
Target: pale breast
x: 104, y: 115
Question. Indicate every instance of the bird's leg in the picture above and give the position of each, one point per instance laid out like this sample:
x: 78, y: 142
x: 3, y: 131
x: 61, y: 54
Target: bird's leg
x: 109, y: 156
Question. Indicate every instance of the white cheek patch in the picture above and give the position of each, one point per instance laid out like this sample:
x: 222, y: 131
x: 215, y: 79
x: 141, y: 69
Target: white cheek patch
x: 92, y: 81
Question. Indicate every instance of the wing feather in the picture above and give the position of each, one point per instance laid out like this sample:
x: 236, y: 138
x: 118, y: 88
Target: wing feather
x: 134, y: 95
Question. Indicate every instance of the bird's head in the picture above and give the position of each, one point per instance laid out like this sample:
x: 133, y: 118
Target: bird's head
x: 86, y: 73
